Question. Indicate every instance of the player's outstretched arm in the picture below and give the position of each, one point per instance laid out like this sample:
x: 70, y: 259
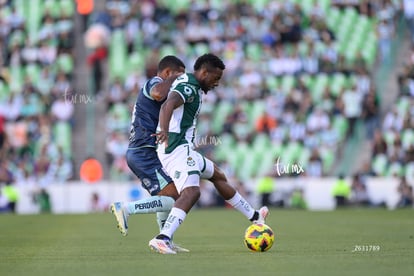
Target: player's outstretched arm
x: 173, y: 101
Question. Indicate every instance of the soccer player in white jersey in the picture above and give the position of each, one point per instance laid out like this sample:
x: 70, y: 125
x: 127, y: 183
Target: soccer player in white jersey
x: 175, y: 136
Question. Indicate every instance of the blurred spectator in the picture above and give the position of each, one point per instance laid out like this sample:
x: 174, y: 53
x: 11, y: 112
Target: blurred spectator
x: 265, y: 188
x: 62, y: 110
x: 5, y: 173
x: 371, y: 113
x: 393, y: 120
x: 352, y: 99
x: 116, y: 146
x: 317, y: 121
x: 95, y: 61
x: 42, y: 199
x: 265, y: 123
x: 408, y: 8
x: 297, y: 200
x: 98, y: 205
x: 315, y: 165
x: 4, y: 203
x: 359, y: 195
x: 385, y: 33
x: 379, y: 145
x: 341, y: 191
x: 116, y: 93
x: 406, y: 194
x: 12, y: 196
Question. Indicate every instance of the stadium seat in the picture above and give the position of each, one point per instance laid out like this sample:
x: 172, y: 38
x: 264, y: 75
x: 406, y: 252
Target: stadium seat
x: 118, y: 55
x: 136, y: 62
x: 257, y: 109
x: 4, y: 91
x: 395, y: 169
x: 340, y: 124
x: 32, y: 71
x: 254, y: 52
x: 65, y: 63
x: 261, y: 143
x: 303, y: 158
x: 319, y: 84
x: 288, y: 82
x: 379, y: 164
x: 272, y: 83
x: 291, y: 153
x: 63, y: 137
x: 328, y: 158
x: 201, y: 49
x: 52, y: 7
x: 267, y: 164
x: 409, y: 171
x: 67, y: 7
x: 337, y: 82
x: 407, y: 138
x: 167, y: 49
x: 223, y: 109
x: 34, y: 18
x: 16, y: 79
x: 403, y: 104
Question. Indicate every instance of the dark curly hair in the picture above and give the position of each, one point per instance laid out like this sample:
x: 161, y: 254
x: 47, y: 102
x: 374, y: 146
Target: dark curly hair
x: 210, y: 61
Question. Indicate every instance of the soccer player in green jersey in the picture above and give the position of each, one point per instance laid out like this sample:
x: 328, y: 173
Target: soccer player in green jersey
x: 175, y: 136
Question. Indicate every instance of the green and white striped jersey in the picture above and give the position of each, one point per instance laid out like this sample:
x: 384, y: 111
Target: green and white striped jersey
x: 184, y: 118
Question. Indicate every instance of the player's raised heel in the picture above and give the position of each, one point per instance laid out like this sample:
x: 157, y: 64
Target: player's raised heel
x: 263, y: 212
x: 121, y: 217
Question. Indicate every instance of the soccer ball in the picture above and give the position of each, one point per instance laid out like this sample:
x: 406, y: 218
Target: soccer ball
x: 259, y: 237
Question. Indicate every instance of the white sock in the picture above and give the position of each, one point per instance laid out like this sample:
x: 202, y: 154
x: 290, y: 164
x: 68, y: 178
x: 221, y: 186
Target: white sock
x: 150, y: 204
x: 162, y: 218
x: 239, y: 203
x: 174, y: 220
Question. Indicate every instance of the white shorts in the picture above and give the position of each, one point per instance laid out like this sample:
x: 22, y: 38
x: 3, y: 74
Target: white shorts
x: 184, y: 161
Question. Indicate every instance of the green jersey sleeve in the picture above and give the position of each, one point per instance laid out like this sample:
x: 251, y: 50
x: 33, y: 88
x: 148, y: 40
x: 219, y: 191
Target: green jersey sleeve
x: 186, y: 90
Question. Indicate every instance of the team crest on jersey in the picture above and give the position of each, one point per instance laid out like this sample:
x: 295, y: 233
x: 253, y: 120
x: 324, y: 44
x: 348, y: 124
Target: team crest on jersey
x: 190, y: 100
x: 190, y: 161
x: 177, y: 174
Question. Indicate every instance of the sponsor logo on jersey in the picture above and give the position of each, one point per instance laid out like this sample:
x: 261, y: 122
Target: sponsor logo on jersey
x: 177, y: 174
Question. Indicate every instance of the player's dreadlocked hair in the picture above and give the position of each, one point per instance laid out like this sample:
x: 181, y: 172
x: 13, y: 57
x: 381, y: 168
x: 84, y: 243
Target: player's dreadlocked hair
x: 170, y: 62
x: 210, y: 61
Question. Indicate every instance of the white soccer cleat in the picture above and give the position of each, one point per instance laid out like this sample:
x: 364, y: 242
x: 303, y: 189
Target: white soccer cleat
x: 263, y: 212
x: 121, y: 217
x: 178, y: 248
x: 161, y: 246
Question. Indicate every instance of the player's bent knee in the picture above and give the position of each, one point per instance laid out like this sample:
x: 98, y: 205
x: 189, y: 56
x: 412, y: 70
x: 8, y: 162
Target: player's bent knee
x: 218, y: 175
x: 188, y: 197
x: 169, y: 190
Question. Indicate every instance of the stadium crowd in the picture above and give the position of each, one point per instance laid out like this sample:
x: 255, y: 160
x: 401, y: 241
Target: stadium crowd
x: 36, y: 67
x: 291, y: 81
x: 298, y: 80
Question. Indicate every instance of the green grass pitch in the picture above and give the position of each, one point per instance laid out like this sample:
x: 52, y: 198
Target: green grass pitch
x: 341, y: 242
